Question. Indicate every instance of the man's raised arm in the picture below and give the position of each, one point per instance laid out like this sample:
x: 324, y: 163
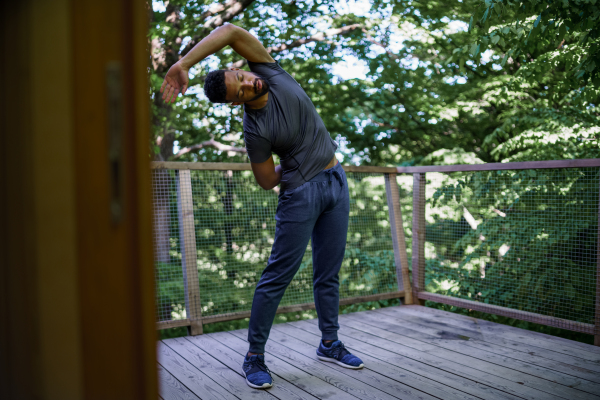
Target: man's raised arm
x: 240, y: 40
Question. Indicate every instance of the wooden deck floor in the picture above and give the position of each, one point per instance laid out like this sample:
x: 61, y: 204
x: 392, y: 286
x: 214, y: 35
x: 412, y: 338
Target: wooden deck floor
x: 410, y: 352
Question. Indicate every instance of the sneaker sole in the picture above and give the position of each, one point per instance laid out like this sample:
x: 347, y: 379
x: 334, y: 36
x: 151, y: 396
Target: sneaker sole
x: 252, y: 385
x: 333, y: 360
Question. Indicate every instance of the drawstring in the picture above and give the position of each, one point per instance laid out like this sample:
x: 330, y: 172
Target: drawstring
x: 333, y: 172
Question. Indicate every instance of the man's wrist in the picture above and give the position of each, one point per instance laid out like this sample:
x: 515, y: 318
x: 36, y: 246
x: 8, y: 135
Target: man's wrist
x: 184, y: 64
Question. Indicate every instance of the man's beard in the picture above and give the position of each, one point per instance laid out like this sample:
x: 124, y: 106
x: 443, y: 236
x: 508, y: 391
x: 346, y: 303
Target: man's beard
x: 264, y: 90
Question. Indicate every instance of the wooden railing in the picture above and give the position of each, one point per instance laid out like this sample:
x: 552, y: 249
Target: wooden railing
x: 411, y: 293
x: 194, y: 318
x: 418, y: 261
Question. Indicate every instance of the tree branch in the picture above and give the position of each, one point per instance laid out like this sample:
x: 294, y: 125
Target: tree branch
x: 370, y: 39
x: 382, y: 125
x: 231, y: 9
x: 215, y: 9
x: 319, y: 37
x: 209, y: 143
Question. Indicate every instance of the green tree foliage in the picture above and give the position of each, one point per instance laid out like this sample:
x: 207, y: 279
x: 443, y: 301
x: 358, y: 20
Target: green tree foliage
x: 533, y: 26
x: 554, y: 46
x: 533, y: 247
x: 519, y: 84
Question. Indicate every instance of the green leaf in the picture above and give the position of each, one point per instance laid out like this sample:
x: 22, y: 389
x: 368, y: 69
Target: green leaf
x: 562, y: 30
x: 485, y: 15
x: 506, y: 56
x: 591, y: 66
x: 474, y: 48
x: 495, y: 39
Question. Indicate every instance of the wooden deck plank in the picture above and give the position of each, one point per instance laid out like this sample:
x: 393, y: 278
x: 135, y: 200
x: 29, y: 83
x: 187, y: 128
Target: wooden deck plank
x: 561, y: 362
x: 396, y: 375
x: 445, y: 318
x: 493, y: 330
x: 555, y: 377
x: 410, y: 352
x: 420, y: 323
x: 498, y: 370
x: 556, y: 339
x: 311, y: 384
x: 282, y: 389
x: 519, y: 387
x: 531, y: 357
x: 522, y: 339
x: 416, y: 337
x: 312, y: 366
x: 502, y: 366
x: 171, y: 389
x: 438, y: 330
x: 466, y: 384
x: 190, y: 376
x: 588, y: 348
x: 390, y: 386
x: 575, y: 363
x: 210, y: 365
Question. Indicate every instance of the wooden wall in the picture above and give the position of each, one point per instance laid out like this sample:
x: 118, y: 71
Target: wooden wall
x: 76, y: 286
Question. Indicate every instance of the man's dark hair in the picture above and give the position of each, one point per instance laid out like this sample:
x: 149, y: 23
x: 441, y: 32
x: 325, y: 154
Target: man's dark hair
x: 214, y: 86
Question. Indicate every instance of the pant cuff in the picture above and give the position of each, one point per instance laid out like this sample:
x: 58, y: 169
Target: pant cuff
x: 257, y: 349
x: 329, y: 336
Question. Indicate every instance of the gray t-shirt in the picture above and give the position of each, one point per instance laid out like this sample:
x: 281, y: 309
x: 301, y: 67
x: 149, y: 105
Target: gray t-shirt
x: 288, y: 126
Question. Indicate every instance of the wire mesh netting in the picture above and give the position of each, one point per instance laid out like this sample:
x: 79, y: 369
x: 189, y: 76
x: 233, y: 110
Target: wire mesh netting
x: 526, y: 239
x: 170, y: 292
x: 234, y: 227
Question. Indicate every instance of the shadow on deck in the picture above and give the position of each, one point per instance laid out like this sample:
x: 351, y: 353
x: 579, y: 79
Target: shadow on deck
x: 410, y: 352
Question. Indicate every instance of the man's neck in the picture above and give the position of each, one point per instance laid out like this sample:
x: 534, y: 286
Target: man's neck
x: 259, y: 103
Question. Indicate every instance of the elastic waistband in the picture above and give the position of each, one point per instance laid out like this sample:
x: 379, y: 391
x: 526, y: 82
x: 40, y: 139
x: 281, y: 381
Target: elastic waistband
x: 326, y: 174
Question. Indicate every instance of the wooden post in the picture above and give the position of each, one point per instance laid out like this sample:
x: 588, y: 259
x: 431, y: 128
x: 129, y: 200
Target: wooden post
x: 597, y: 312
x: 418, y: 239
x: 187, y: 240
x: 398, y: 239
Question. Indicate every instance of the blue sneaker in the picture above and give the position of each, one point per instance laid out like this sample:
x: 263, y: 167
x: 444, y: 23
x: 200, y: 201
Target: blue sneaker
x: 337, y: 353
x: 256, y: 372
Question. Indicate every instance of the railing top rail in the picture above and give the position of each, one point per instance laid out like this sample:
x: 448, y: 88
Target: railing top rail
x: 588, y: 162
x: 207, y: 166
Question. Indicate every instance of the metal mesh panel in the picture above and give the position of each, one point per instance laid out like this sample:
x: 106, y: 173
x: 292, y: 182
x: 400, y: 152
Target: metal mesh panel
x: 234, y: 227
x: 525, y: 240
x: 405, y: 196
x: 170, y: 292
x: 368, y: 266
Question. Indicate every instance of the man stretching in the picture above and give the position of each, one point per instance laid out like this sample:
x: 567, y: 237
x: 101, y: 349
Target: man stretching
x: 280, y: 118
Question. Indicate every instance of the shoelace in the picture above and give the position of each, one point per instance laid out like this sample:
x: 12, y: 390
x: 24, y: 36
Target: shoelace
x: 262, y: 366
x: 340, y: 351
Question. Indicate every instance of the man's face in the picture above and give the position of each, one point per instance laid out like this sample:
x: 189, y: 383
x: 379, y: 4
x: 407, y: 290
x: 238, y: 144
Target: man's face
x: 244, y: 86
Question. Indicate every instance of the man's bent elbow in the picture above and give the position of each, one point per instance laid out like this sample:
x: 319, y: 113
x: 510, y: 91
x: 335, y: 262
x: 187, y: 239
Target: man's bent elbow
x: 267, y: 186
x: 230, y: 28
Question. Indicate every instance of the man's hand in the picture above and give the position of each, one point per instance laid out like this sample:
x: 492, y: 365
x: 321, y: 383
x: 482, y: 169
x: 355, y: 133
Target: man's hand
x: 176, y: 81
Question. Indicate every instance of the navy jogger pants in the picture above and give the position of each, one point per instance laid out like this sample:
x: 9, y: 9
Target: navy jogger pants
x: 317, y: 209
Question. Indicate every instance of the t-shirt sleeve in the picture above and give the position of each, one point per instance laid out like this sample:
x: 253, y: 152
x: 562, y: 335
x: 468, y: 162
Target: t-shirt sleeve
x: 258, y: 147
x: 266, y: 70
